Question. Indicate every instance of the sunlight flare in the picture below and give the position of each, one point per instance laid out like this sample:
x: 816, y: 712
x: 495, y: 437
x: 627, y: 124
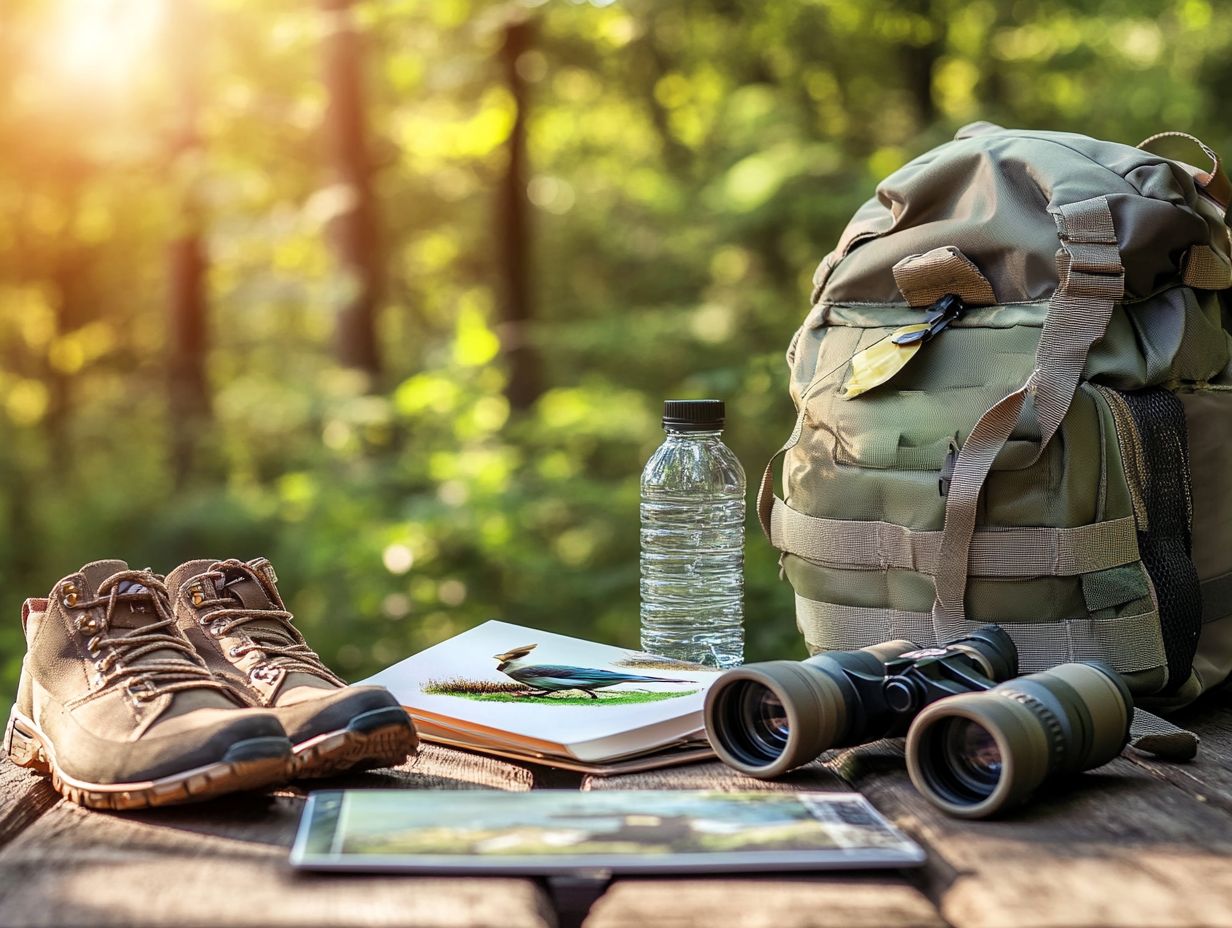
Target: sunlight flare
x: 101, y: 43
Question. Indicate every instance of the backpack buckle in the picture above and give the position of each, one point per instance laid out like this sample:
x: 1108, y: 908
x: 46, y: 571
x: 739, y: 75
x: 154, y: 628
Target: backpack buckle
x: 938, y: 316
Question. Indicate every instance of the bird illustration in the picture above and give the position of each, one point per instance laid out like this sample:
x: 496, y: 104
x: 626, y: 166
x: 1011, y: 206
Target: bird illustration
x: 545, y: 679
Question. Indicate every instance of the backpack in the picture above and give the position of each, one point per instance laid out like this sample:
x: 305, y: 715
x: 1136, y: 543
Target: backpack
x: 1014, y: 397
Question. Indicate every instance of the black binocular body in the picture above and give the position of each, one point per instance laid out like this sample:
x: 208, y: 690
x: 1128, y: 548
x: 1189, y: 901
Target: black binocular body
x: 978, y: 740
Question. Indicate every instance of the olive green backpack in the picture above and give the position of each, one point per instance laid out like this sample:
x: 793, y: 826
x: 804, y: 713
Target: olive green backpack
x: 1015, y: 405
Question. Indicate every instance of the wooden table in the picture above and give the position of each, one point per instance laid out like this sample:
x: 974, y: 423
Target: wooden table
x: 1140, y: 843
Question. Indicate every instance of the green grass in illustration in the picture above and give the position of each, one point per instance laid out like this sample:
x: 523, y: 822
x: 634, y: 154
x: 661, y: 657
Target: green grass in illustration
x: 487, y: 691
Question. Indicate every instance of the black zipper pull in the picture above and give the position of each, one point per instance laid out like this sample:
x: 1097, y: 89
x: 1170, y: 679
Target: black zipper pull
x: 938, y: 316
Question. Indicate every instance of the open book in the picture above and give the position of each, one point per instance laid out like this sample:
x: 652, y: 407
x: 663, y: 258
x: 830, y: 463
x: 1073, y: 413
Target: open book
x: 534, y: 695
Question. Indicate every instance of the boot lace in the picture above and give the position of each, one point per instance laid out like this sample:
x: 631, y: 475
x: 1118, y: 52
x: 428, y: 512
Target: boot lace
x: 128, y: 655
x: 281, y: 647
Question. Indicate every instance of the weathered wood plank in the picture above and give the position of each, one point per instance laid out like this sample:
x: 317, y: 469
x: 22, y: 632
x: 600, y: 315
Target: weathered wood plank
x: 834, y: 902
x: 24, y: 796
x: 1208, y: 777
x: 1119, y: 849
x: 224, y: 863
x: 883, y: 900
x: 435, y: 767
x: 176, y: 891
x: 714, y: 775
x: 1123, y: 847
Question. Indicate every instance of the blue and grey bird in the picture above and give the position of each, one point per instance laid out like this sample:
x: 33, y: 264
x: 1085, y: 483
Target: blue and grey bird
x: 544, y: 679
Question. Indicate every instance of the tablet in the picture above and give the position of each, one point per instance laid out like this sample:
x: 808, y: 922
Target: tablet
x: 569, y: 832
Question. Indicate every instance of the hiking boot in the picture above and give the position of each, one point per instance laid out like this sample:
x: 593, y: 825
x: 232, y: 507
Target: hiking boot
x: 119, y: 710
x: 234, y: 616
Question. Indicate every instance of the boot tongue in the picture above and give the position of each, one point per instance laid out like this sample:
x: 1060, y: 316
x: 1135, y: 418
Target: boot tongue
x: 242, y: 586
x: 240, y: 583
x: 187, y: 571
x: 128, y: 613
x: 98, y: 571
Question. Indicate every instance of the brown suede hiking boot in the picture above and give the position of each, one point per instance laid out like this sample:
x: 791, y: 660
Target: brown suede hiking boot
x: 119, y: 710
x: 232, y: 613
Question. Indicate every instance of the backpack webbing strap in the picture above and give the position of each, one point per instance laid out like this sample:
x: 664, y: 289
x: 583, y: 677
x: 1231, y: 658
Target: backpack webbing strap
x: 1130, y: 643
x: 766, y: 499
x: 1161, y: 738
x: 1091, y: 282
x: 1028, y: 551
x: 1206, y: 269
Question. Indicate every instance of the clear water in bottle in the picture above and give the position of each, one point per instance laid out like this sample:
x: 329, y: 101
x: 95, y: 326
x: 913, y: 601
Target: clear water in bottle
x: 692, y: 545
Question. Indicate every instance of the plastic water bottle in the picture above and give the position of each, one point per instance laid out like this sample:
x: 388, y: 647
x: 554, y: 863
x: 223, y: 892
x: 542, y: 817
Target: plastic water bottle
x: 693, y: 540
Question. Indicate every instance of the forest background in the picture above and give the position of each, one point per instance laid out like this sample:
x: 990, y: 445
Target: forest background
x: 391, y: 292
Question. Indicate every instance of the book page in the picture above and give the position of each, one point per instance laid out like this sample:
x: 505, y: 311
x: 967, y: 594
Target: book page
x: 593, y: 700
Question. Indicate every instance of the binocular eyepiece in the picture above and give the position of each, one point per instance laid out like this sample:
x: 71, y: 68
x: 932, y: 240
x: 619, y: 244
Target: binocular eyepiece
x: 977, y: 739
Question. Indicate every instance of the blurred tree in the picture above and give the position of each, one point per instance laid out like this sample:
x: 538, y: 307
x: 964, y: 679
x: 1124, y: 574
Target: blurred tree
x: 513, y: 224
x: 355, y: 231
x: 660, y: 178
x: 188, y: 311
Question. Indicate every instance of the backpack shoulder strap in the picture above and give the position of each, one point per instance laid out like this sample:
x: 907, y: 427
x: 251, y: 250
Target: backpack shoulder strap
x: 1091, y: 282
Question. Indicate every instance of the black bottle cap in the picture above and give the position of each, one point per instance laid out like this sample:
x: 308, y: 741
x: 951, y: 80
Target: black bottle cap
x: 693, y: 415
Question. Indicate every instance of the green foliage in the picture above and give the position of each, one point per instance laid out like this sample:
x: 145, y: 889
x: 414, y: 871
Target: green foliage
x: 690, y: 164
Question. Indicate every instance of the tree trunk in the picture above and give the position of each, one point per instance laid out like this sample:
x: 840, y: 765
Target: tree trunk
x: 919, y: 62
x: 355, y: 234
x: 71, y: 289
x: 187, y: 259
x: 513, y: 230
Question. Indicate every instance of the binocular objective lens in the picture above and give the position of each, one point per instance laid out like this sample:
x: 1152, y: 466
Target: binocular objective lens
x: 765, y: 718
x: 972, y: 757
x: 975, y: 754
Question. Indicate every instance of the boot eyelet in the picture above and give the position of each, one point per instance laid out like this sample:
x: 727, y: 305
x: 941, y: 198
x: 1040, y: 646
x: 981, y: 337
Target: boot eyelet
x: 142, y: 691
x: 71, y: 595
x: 88, y: 625
x: 198, y: 597
x: 216, y: 629
x: 262, y: 673
x: 234, y: 652
x: 93, y: 644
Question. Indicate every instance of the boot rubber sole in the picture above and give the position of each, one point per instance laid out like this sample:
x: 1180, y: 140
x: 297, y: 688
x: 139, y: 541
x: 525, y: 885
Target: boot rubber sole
x: 379, y: 738
x: 252, y: 764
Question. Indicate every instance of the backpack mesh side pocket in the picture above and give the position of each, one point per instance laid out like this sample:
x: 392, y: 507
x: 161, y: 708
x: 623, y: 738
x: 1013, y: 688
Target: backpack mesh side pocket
x: 1155, y: 446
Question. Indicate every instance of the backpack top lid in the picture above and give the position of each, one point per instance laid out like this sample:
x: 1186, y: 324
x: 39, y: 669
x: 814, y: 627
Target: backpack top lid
x: 992, y: 194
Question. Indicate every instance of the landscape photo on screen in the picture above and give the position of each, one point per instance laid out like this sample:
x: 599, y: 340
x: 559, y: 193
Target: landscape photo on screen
x: 603, y: 823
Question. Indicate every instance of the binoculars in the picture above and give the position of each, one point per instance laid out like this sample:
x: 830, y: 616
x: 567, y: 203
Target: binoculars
x: 979, y: 740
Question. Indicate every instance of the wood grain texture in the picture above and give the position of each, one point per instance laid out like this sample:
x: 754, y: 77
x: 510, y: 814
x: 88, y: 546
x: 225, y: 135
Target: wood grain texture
x: 763, y: 902
x: 176, y: 891
x: 435, y: 767
x: 1208, y: 777
x: 885, y: 900
x: 1139, y: 843
x: 224, y: 863
x: 24, y: 796
x: 1118, y: 849
x: 717, y: 776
